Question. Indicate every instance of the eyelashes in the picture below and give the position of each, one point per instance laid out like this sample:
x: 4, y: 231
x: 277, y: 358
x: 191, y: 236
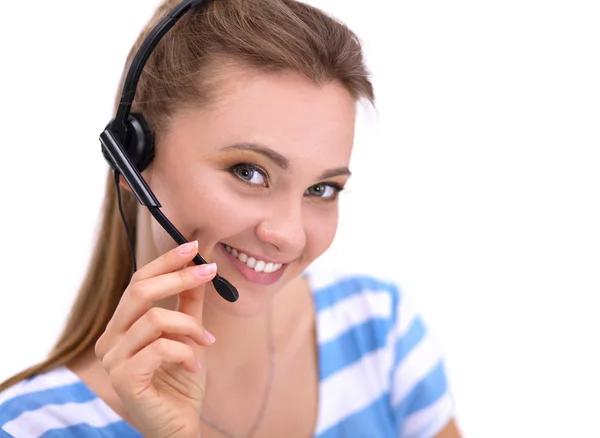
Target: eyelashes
x: 247, y: 172
x: 319, y: 190
x: 257, y: 178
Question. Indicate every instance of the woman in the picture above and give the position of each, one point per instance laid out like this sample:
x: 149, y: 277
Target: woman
x: 252, y: 104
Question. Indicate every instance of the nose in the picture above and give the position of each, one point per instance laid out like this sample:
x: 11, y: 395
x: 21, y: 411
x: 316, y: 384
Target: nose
x: 283, y: 228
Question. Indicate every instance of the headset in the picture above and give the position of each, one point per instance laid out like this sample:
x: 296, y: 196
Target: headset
x: 127, y: 143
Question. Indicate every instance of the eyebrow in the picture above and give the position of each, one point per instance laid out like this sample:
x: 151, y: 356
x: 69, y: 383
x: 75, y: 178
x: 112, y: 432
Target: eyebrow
x: 335, y: 172
x: 280, y: 160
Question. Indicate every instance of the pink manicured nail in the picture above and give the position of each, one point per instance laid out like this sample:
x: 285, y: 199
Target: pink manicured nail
x: 187, y: 248
x: 204, y: 270
x: 210, y: 336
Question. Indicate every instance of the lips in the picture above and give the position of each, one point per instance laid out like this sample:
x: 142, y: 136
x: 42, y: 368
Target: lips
x: 253, y: 267
x: 259, y: 265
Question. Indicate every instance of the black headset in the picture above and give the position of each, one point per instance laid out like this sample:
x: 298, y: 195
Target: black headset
x: 128, y: 143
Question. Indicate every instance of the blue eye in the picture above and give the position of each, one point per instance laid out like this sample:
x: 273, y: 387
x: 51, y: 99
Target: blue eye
x: 250, y: 174
x: 325, y: 191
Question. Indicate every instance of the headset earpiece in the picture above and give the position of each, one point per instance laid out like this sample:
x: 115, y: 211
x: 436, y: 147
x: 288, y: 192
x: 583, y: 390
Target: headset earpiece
x: 138, y: 143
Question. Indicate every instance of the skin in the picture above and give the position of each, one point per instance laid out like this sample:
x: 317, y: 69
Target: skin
x: 145, y: 365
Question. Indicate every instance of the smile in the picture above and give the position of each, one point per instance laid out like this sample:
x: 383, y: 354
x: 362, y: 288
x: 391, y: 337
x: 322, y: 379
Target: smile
x: 253, y: 263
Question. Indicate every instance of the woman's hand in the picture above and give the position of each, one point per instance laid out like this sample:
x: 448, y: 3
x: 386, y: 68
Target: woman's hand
x: 153, y: 355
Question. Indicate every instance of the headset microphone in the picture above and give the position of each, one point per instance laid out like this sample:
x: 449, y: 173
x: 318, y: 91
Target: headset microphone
x: 128, y: 142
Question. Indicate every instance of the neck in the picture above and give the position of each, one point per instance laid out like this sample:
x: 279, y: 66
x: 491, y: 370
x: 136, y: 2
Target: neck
x: 237, y: 338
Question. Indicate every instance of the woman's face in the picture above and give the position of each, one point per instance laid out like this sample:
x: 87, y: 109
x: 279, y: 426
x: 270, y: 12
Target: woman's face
x: 254, y: 177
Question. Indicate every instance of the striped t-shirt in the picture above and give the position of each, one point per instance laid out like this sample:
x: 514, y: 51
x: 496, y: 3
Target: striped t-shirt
x: 381, y: 374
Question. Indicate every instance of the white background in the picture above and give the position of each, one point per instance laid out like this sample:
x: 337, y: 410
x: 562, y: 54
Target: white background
x: 476, y: 185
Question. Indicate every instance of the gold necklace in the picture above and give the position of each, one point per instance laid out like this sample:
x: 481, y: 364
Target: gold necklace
x: 268, y: 389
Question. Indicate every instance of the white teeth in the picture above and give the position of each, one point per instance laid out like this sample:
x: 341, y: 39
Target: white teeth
x: 257, y: 265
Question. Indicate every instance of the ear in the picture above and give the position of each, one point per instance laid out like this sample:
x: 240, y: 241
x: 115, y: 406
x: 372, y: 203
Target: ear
x: 123, y: 184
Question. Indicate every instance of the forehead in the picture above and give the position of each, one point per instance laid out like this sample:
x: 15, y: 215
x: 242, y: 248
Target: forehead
x: 284, y: 111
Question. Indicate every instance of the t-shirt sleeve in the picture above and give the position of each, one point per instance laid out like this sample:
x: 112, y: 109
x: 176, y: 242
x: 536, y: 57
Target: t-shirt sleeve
x: 420, y: 393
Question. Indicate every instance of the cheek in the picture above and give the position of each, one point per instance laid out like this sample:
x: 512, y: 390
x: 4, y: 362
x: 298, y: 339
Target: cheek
x: 203, y: 207
x: 321, y: 228
x: 162, y: 240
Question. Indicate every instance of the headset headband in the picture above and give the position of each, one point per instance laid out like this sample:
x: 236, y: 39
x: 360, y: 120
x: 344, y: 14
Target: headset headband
x: 118, y: 125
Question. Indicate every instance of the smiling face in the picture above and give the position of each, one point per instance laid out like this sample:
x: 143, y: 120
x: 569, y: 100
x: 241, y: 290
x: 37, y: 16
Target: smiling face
x: 254, y: 177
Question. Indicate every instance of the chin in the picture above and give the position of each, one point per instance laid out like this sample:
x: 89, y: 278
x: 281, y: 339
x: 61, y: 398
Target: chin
x: 251, y: 303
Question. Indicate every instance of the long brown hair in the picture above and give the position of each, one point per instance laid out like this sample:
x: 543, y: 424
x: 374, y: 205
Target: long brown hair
x: 268, y: 35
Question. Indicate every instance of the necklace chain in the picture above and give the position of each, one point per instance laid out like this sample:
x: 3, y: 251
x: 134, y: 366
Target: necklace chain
x: 267, y: 394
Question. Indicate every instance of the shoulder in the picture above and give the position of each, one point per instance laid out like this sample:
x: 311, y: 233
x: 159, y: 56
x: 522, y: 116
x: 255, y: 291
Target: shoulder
x: 331, y: 284
x: 357, y: 316
x: 58, y: 404
x: 369, y: 326
x: 361, y: 296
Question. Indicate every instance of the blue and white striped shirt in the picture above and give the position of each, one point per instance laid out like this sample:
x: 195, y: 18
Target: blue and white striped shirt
x: 381, y: 374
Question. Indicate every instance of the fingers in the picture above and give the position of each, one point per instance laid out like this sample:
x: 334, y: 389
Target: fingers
x: 139, y: 297
x: 142, y: 293
x: 191, y: 302
x: 135, y: 375
x: 168, y: 262
x: 157, y: 322
x: 141, y: 338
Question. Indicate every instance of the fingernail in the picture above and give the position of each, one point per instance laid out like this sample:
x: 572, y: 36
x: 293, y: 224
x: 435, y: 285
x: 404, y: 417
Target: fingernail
x: 204, y: 270
x: 210, y: 336
x: 198, y: 364
x: 187, y: 248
